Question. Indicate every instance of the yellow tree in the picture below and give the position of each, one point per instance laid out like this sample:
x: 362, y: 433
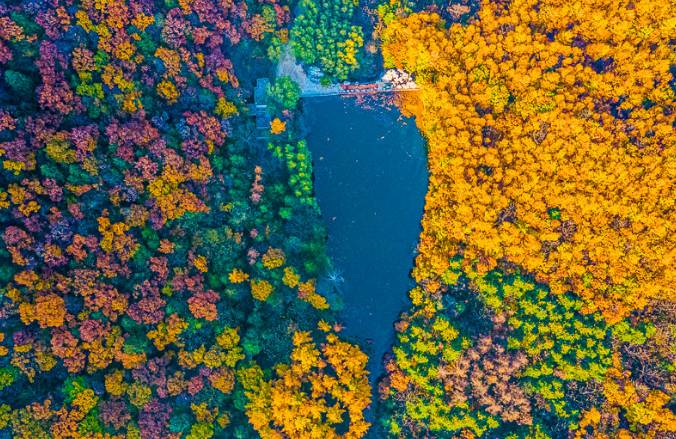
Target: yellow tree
x: 551, y: 144
x: 324, y: 387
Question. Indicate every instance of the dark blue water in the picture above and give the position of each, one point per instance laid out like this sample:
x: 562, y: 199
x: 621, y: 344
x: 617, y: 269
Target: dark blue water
x: 370, y: 180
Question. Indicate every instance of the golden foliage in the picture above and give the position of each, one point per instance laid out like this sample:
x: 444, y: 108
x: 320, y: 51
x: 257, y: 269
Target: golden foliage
x: 291, y: 278
x: 168, y: 91
x: 115, y: 384
x: 223, y: 379
x: 273, y: 258
x: 226, y: 109
x: 200, y: 263
x: 277, y: 126
x: 307, y: 292
x: 261, y: 289
x: 3, y: 350
x: 168, y: 332
x: 310, y: 397
x: 542, y: 157
x: 237, y: 276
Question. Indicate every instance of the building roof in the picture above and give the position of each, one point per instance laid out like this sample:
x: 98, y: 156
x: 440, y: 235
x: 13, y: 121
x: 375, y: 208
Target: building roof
x: 261, y: 92
x: 262, y: 120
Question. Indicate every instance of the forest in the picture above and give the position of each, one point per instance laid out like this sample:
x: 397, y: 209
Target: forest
x: 159, y: 268
x: 163, y: 259
x: 545, y: 298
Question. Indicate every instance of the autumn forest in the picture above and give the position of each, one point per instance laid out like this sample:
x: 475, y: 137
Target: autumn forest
x: 164, y: 268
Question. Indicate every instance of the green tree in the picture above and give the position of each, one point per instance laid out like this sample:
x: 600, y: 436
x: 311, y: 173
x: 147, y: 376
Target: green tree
x: 323, y: 35
x: 283, y: 95
x: 19, y: 83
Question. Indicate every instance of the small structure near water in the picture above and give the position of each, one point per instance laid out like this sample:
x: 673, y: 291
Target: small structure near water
x: 392, y: 80
x: 359, y: 88
x: 309, y: 79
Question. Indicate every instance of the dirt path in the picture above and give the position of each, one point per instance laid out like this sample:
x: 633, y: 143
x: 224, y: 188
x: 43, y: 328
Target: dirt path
x: 287, y: 67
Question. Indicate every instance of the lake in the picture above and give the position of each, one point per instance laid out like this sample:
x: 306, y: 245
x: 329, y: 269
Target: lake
x: 370, y: 170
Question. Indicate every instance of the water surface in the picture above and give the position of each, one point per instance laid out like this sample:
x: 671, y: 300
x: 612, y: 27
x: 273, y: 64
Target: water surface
x: 370, y: 181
